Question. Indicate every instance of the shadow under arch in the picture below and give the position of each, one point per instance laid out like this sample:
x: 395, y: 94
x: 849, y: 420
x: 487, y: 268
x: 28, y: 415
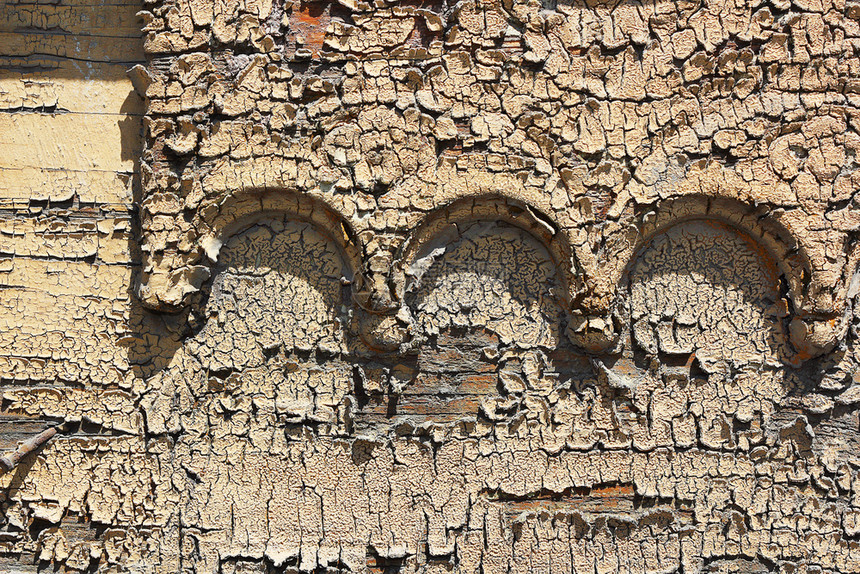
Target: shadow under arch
x: 811, y: 334
x: 445, y: 221
x: 778, y: 245
x: 167, y: 289
x: 240, y: 212
x: 702, y: 287
x: 175, y: 318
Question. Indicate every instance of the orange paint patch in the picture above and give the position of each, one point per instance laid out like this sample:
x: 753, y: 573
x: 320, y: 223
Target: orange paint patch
x: 309, y: 23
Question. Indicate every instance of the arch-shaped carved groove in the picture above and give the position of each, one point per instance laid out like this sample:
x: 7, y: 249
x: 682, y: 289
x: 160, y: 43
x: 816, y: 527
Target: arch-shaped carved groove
x: 811, y: 333
x: 165, y: 288
x: 701, y: 287
x: 444, y: 224
x: 274, y: 328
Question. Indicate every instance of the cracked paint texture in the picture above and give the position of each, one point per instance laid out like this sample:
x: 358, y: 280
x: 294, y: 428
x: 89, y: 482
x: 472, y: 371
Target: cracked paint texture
x: 429, y: 286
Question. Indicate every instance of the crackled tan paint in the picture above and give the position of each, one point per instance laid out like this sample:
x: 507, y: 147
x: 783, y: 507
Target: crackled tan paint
x: 423, y: 286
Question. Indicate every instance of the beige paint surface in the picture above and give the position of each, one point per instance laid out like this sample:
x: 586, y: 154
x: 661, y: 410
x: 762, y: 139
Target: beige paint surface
x: 496, y: 286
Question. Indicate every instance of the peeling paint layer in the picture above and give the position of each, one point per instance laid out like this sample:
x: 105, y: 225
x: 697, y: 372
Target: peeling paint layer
x: 429, y: 286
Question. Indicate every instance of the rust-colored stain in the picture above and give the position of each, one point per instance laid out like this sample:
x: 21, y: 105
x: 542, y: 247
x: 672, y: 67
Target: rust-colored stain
x: 308, y: 23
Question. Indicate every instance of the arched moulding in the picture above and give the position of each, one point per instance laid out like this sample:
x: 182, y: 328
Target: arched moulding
x: 443, y: 225
x: 705, y: 289
x: 812, y: 333
x: 377, y: 320
x: 166, y: 285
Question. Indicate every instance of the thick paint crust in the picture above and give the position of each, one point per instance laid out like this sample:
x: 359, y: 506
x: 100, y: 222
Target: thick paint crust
x: 474, y: 287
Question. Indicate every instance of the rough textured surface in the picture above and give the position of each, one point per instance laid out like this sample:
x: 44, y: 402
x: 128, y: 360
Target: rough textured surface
x: 430, y: 287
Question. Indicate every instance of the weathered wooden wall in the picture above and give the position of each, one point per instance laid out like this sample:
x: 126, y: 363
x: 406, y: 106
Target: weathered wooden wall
x: 426, y: 286
x: 70, y: 141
